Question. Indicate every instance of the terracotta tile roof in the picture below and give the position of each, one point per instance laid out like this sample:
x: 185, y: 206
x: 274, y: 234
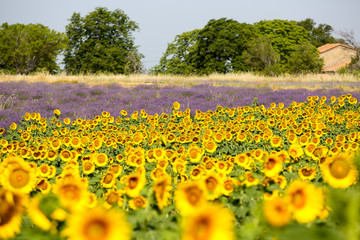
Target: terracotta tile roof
x: 336, y: 66
x: 329, y: 46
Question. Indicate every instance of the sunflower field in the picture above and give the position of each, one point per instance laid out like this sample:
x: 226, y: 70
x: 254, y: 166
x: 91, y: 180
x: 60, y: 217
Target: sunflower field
x: 246, y: 172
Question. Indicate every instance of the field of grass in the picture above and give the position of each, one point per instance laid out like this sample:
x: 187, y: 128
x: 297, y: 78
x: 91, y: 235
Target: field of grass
x: 310, y: 81
x: 228, y: 157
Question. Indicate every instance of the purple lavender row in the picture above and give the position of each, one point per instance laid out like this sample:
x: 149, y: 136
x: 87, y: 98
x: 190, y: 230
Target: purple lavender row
x: 82, y: 101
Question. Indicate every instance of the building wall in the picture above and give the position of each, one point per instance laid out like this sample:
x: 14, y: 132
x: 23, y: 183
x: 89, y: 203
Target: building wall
x: 337, y: 55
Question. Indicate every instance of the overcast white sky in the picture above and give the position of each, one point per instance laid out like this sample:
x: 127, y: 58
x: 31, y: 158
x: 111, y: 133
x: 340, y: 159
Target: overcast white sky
x: 161, y: 20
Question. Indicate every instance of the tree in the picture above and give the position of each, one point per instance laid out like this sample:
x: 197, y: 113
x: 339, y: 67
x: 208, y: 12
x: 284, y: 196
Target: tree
x: 179, y: 55
x: 262, y: 56
x: 284, y: 35
x: 28, y: 48
x: 102, y: 41
x: 220, y: 46
x: 319, y: 35
x: 305, y: 59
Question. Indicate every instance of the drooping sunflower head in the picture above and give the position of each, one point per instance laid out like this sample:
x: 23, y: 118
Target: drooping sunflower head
x: 162, y: 188
x: 97, y: 224
x: 340, y: 171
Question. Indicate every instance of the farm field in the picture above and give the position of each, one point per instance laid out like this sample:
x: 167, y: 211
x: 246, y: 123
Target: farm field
x: 214, y: 158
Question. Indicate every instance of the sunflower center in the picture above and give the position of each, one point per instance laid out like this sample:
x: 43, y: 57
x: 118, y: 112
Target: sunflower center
x: 19, y: 178
x: 193, y: 195
x: 211, y: 183
x: 298, y: 198
x: 270, y: 164
x: 88, y: 166
x: 339, y: 169
x: 133, y: 182
x: 71, y: 192
x: 306, y: 172
x: 108, y: 178
x: 112, y: 198
x: 96, y: 230
x: 193, y: 153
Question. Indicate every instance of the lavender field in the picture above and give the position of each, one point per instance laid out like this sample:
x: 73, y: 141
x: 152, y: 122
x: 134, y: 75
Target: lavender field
x: 78, y: 100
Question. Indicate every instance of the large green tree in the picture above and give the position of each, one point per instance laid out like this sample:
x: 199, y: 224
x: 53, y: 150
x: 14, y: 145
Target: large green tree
x: 221, y: 44
x: 217, y: 47
x: 320, y: 34
x: 28, y: 48
x: 284, y: 35
x: 102, y: 41
x: 179, y: 57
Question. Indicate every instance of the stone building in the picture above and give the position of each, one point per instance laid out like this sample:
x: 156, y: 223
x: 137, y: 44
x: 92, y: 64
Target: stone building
x: 336, y: 56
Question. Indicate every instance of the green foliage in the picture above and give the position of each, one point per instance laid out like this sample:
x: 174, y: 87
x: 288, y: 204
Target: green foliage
x: 305, y: 59
x: 101, y: 42
x: 262, y: 56
x: 221, y: 44
x: 179, y: 55
x: 319, y: 35
x: 285, y: 36
x: 217, y: 47
x: 29, y: 48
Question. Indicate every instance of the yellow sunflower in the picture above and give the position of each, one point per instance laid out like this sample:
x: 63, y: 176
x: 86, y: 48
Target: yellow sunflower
x: 134, y: 184
x: 108, y: 180
x: 306, y: 200
x: 101, y: 159
x: 295, y: 151
x: 210, y: 146
x: 137, y: 202
x: 44, y: 185
x: 97, y: 224
x: 88, y: 167
x: 113, y: 197
x: 212, y: 182
x: 340, y: 171
x: 72, y: 192
x: 307, y: 173
x: 273, y: 165
x: 195, y: 153
x: 277, y: 212
x: 11, y: 209
x: 212, y: 222
x: 19, y: 177
x: 190, y: 196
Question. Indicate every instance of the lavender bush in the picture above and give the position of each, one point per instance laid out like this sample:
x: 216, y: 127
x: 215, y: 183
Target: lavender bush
x: 82, y: 101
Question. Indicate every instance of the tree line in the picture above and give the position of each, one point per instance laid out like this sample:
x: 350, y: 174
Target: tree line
x: 103, y: 42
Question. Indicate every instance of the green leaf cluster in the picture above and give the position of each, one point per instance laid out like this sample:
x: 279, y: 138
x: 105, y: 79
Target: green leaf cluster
x: 102, y: 42
x: 25, y: 49
x: 225, y: 45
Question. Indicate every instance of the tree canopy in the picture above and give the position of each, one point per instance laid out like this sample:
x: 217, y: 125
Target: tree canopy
x: 217, y: 47
x: 220, y: 46
x: 319, y: 35
x: 284, y: 36
x: 102, y: 41
x: 28, y: 48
